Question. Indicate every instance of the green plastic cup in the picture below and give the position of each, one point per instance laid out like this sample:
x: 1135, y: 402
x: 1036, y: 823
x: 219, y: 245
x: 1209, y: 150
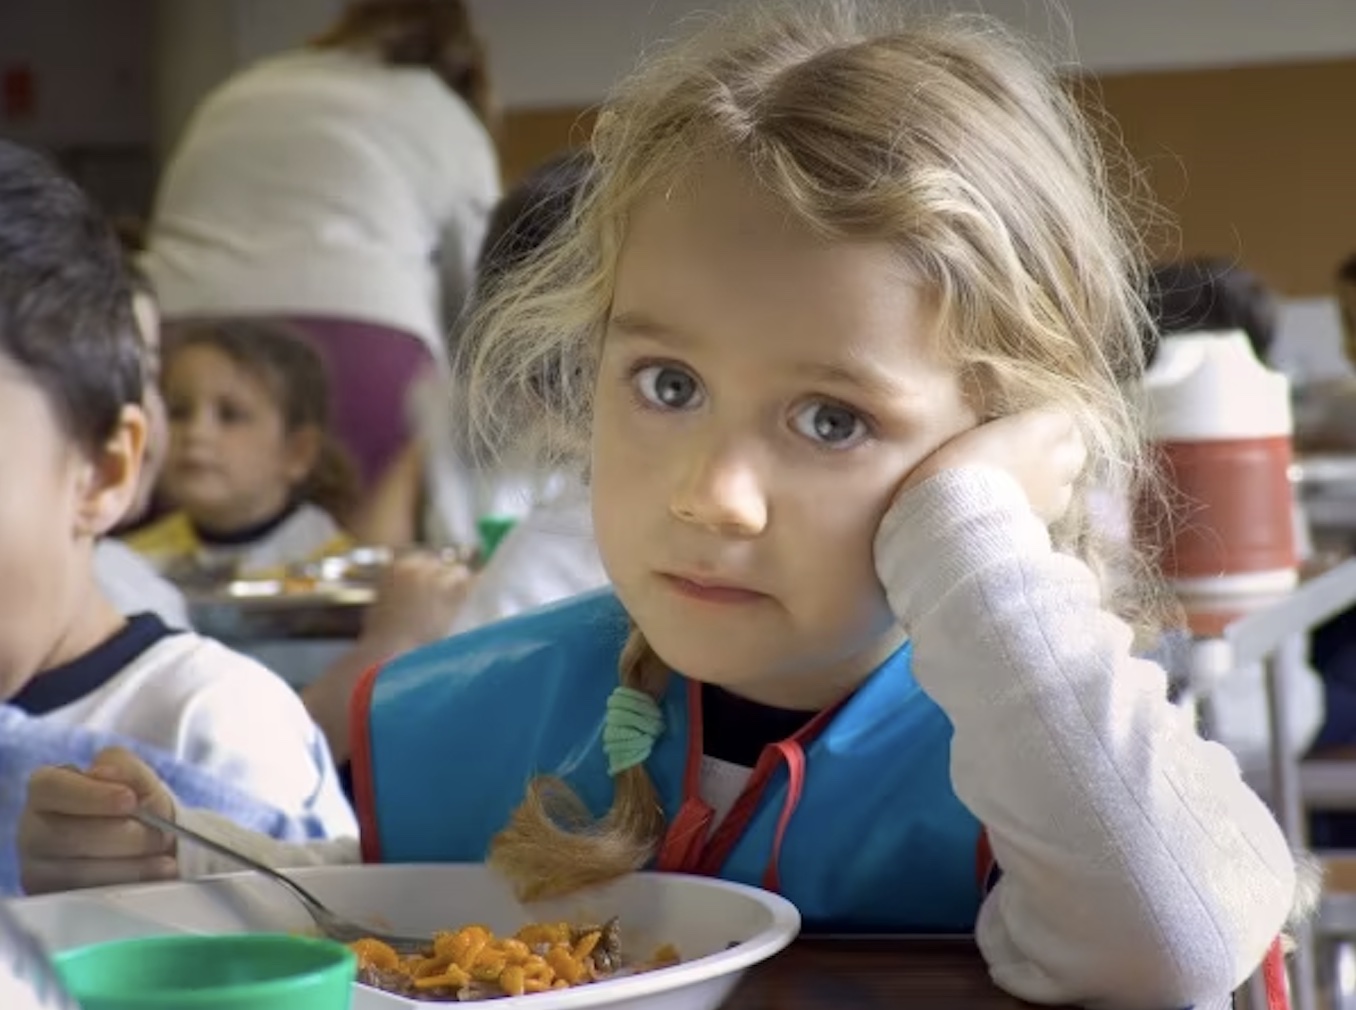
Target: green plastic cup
x: 236, y: 971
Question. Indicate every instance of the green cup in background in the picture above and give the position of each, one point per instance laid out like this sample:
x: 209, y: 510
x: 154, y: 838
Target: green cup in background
x: 234, y: 971
x: 492, y: 530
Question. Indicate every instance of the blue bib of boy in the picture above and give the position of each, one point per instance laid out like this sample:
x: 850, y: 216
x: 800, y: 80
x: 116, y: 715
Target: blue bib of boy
x: 447, y: 738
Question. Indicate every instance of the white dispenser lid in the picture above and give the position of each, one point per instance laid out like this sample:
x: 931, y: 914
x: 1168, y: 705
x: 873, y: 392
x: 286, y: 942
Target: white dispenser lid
x: 1211, y: 387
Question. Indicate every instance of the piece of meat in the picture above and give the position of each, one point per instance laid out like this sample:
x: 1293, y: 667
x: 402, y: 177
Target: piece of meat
x: 394, y: 982
x: 606, y: 958
x: 399, y: 984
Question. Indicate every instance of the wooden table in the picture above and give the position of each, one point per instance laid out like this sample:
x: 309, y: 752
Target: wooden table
x: 850, y: 974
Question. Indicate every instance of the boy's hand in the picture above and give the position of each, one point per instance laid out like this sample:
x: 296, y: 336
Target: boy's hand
x: 76, y: 829
x: 1042, y: 449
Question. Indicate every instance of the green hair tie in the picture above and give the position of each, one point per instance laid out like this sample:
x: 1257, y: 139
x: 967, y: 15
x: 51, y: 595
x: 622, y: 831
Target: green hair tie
x: 634, y: 722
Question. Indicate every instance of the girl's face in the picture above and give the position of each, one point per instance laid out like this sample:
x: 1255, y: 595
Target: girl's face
x: 760, y: 397
x: 232, y: 463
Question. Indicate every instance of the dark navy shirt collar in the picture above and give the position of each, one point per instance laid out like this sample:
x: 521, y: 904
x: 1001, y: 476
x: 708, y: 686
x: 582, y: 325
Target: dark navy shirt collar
x: 82, y: 676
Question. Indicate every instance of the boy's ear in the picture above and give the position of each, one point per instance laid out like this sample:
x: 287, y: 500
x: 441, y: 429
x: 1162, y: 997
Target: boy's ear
x: 113, y: 477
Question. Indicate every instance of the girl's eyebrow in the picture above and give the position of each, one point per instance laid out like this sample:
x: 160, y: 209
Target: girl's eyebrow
x: 637, y: 324
x: 879, y: 384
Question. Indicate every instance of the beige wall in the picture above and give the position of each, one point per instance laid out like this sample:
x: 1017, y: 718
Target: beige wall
x: 1253, y: 162
x: 1256, y: 163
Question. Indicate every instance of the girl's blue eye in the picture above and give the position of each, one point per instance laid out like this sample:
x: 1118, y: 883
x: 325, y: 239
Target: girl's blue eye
x: 668, y: 386
x: 830, y: 425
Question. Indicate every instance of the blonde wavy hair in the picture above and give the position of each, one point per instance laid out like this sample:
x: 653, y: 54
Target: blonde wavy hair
x: 947, y: 138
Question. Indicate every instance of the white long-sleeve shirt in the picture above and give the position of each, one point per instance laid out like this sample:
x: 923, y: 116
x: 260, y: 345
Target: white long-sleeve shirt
x: 325, y: 183
x: 1139, y: 871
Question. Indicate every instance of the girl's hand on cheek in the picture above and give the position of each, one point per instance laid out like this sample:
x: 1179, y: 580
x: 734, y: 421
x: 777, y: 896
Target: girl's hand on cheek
x: 1042, y: 449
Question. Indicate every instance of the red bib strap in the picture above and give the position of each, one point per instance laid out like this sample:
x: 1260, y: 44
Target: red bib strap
x: 1274, y: 977
x: 681, y: 851
x: 985, y: 864
x: 794, y: 756
x: 690, y: 845
x: 364, y: 788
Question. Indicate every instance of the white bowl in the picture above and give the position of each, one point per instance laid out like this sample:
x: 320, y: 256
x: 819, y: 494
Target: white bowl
x: 720, y: 929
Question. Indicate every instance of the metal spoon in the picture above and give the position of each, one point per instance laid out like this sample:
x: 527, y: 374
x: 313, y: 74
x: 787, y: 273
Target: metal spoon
x: 333, y: 925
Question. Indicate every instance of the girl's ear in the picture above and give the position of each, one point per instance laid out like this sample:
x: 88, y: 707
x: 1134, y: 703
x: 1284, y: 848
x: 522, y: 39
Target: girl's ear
x: 111, y: 481
x: 301, y: 450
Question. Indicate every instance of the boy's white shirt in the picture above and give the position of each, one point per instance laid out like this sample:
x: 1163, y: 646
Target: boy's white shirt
x: 226, y: 715
x: 1139, y: 871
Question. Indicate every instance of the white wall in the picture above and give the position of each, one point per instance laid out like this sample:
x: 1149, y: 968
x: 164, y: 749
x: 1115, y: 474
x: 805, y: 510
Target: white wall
x: 266, y: 26
x: 1309, y: 340
x: 97, y: 59
x: 566, y: 52
x: 569, y: 52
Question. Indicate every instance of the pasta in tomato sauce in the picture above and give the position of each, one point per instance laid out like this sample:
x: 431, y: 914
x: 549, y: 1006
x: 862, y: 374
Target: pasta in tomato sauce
x: 472, y: 963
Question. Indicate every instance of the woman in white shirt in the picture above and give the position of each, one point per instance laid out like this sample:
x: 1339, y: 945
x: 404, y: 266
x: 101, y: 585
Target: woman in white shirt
x: 446, y: 480
x: 344, y: 188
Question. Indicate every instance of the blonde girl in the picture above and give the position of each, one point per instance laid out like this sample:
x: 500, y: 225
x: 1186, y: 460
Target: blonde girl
x: 836, y: 331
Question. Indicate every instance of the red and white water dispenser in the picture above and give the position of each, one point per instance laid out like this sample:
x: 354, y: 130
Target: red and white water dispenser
x: 1221, y: 424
